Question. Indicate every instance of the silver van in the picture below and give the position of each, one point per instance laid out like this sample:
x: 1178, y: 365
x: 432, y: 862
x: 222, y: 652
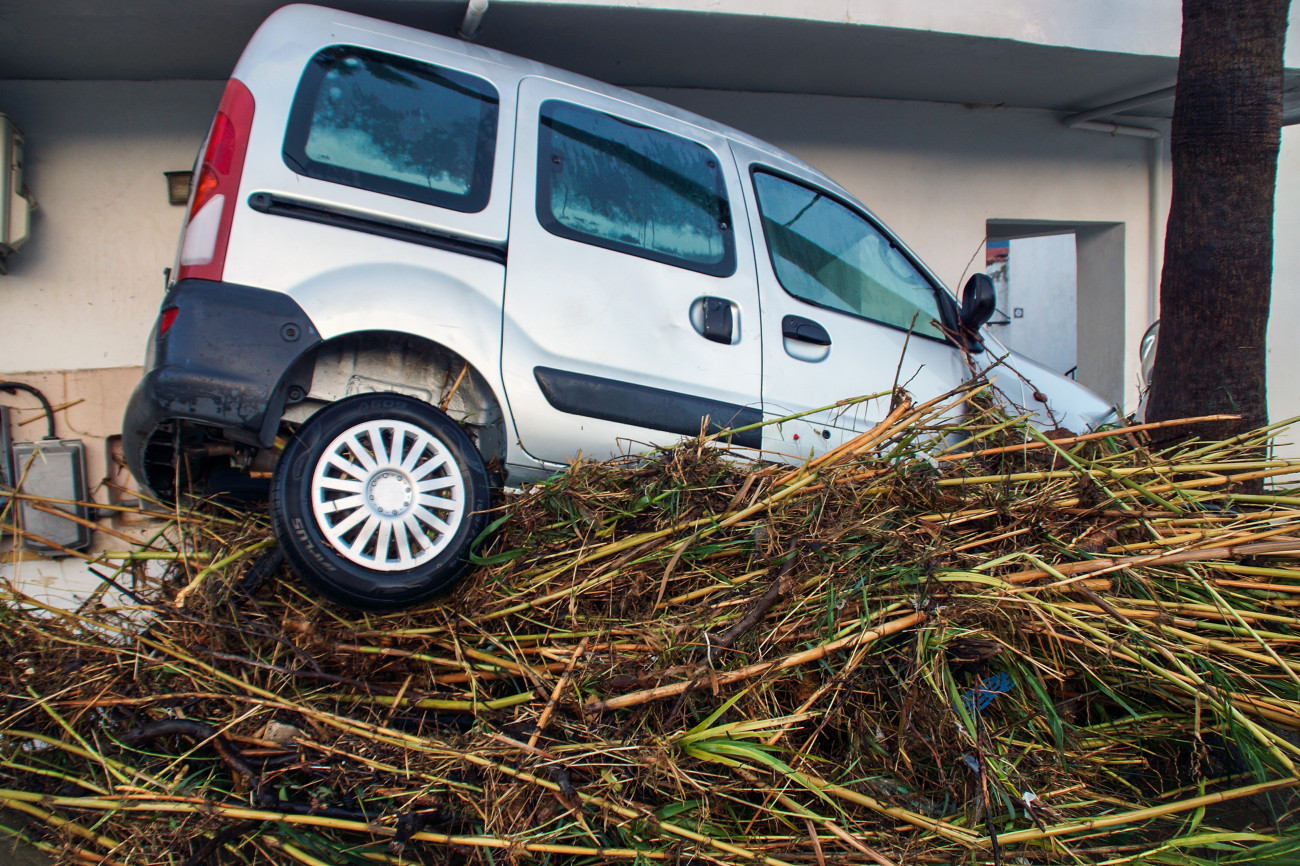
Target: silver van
x: 413, y: 267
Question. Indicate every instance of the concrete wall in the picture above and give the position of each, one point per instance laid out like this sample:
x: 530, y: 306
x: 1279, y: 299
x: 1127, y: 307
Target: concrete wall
x: 1151, y: 27
x: 84, y: 289
x: 82, y: 294
x: 1131, y: 26
x: 1283, y: 347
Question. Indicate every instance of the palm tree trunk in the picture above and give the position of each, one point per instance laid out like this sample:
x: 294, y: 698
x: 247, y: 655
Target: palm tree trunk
x: 1218, y: 268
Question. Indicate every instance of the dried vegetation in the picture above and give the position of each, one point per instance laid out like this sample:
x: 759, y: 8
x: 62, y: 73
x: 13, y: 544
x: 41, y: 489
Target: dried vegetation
x: 997, y: 649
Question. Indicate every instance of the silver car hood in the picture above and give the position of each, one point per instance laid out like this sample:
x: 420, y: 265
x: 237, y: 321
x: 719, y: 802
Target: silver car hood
x: 1022, y: 381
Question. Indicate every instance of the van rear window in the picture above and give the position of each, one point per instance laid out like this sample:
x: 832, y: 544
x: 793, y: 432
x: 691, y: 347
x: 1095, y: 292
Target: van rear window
x: 394, y: 126
x: 616, y: 184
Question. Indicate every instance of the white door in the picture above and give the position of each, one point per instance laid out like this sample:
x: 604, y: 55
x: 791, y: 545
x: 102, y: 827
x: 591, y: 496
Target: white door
x: 631, y: 308
x: 840, y: 296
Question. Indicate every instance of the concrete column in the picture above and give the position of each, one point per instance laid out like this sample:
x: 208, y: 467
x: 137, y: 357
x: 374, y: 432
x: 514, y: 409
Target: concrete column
x: 1102, y: 337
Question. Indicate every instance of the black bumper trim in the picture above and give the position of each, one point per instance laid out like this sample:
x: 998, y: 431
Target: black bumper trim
x: 226, y: 362
x: 643, y: 406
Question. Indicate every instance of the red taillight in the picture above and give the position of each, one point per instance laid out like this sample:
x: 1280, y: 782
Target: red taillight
x: 221, y: 148
x: 216, y: 189
x: 166, y: 320
x: 204, y: 189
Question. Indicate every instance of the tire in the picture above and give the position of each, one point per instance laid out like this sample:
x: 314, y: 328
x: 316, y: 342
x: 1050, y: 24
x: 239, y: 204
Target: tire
x: 351, y: 516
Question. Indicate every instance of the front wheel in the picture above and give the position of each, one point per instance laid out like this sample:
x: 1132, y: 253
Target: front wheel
x: 377, y: 499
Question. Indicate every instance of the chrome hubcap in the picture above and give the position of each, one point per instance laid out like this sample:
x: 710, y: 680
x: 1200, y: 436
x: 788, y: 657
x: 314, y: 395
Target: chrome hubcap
x: 387, y: 495
x: 389, y: 492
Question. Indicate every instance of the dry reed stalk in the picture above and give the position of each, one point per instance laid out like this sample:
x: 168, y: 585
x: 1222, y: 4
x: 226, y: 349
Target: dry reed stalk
x: 895, y: 649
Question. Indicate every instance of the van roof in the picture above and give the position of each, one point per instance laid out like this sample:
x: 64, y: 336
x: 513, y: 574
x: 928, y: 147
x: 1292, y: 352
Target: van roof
x: 305, y: 21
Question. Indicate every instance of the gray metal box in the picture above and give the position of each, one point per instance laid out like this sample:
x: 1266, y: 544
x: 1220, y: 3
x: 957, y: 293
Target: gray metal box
x: 52, y: 469
x: 6, y: 473
x: 16, y: 203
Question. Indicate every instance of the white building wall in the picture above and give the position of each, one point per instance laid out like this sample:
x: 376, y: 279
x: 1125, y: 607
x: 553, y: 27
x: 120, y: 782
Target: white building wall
x: 1130, y: 26
x: 1151, y: 27
x: 1283, y: 347
x: 83, y: 292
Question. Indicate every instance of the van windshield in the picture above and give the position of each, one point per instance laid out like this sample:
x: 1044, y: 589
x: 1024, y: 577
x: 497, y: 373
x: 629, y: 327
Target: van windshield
x: 831, y: 256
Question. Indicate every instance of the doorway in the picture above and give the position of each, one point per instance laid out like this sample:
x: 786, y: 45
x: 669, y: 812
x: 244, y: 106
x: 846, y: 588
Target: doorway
x: 1061, y: 297
x: 1037, y: 284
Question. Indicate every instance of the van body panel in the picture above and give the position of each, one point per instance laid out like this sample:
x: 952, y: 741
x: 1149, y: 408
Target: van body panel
x: 272, y: 67
x: 224, y: 360
x: 576, y: 307
x: 313, y: 27
x: 591, y: 345
x: 449, y: 299
x: 417, y: 268
x: 860, y: 356
x: 1022, y: 381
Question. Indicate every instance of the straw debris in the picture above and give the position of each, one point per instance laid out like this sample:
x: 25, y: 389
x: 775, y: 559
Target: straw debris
x: 943, y: 642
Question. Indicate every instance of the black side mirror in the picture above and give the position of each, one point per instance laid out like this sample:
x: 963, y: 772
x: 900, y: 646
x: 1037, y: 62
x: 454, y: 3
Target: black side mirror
x: 979, y: 302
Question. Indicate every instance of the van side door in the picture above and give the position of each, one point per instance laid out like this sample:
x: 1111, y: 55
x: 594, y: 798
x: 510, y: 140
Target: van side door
x: 847, y: 311
x: 631, y: 308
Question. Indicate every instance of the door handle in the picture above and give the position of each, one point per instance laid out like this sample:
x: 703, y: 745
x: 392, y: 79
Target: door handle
x: 804, y: 330
x: 713, y: 319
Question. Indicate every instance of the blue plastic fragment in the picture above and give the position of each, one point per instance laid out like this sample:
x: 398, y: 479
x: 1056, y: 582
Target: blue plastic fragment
x: 977, y: 699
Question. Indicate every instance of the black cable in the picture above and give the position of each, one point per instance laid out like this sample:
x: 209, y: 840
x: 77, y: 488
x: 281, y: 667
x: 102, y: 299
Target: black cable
x: 15, y: 387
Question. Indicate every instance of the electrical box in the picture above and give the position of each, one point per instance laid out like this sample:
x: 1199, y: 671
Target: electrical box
x: 52, y: 469
x: 16, y: 203
x: 6, y: 471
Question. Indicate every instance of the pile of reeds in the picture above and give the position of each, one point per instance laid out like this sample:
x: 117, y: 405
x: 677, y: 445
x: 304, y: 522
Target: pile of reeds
x: 941, y: 642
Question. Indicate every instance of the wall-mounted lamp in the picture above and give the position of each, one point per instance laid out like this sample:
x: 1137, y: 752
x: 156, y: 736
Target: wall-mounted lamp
x: 178, y: 186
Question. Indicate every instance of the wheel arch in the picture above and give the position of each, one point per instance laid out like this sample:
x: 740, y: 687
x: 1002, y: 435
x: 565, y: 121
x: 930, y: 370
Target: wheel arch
x: 360, y: 362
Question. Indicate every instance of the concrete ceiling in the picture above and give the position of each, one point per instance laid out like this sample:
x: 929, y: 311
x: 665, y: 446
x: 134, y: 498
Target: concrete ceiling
x: 624, y: 45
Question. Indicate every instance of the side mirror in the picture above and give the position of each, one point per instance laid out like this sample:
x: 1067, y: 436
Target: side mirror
x: 978, y: 301
x: 1147, y: 351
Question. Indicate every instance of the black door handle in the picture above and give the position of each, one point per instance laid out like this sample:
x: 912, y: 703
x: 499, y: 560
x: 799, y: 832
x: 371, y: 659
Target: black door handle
x: 718, y: 324
x: 805, y: 330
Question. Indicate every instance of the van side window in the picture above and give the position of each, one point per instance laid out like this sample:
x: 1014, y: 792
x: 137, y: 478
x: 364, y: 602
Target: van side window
x: 831, y: 256
x: 395, y: 126
x: 626, y: 187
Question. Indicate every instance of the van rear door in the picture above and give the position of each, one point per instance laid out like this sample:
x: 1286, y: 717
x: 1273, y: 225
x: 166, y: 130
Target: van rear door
x: 631, y: 309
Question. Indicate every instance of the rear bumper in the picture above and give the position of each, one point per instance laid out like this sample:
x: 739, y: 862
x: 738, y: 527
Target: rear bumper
x: 226, y: 363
